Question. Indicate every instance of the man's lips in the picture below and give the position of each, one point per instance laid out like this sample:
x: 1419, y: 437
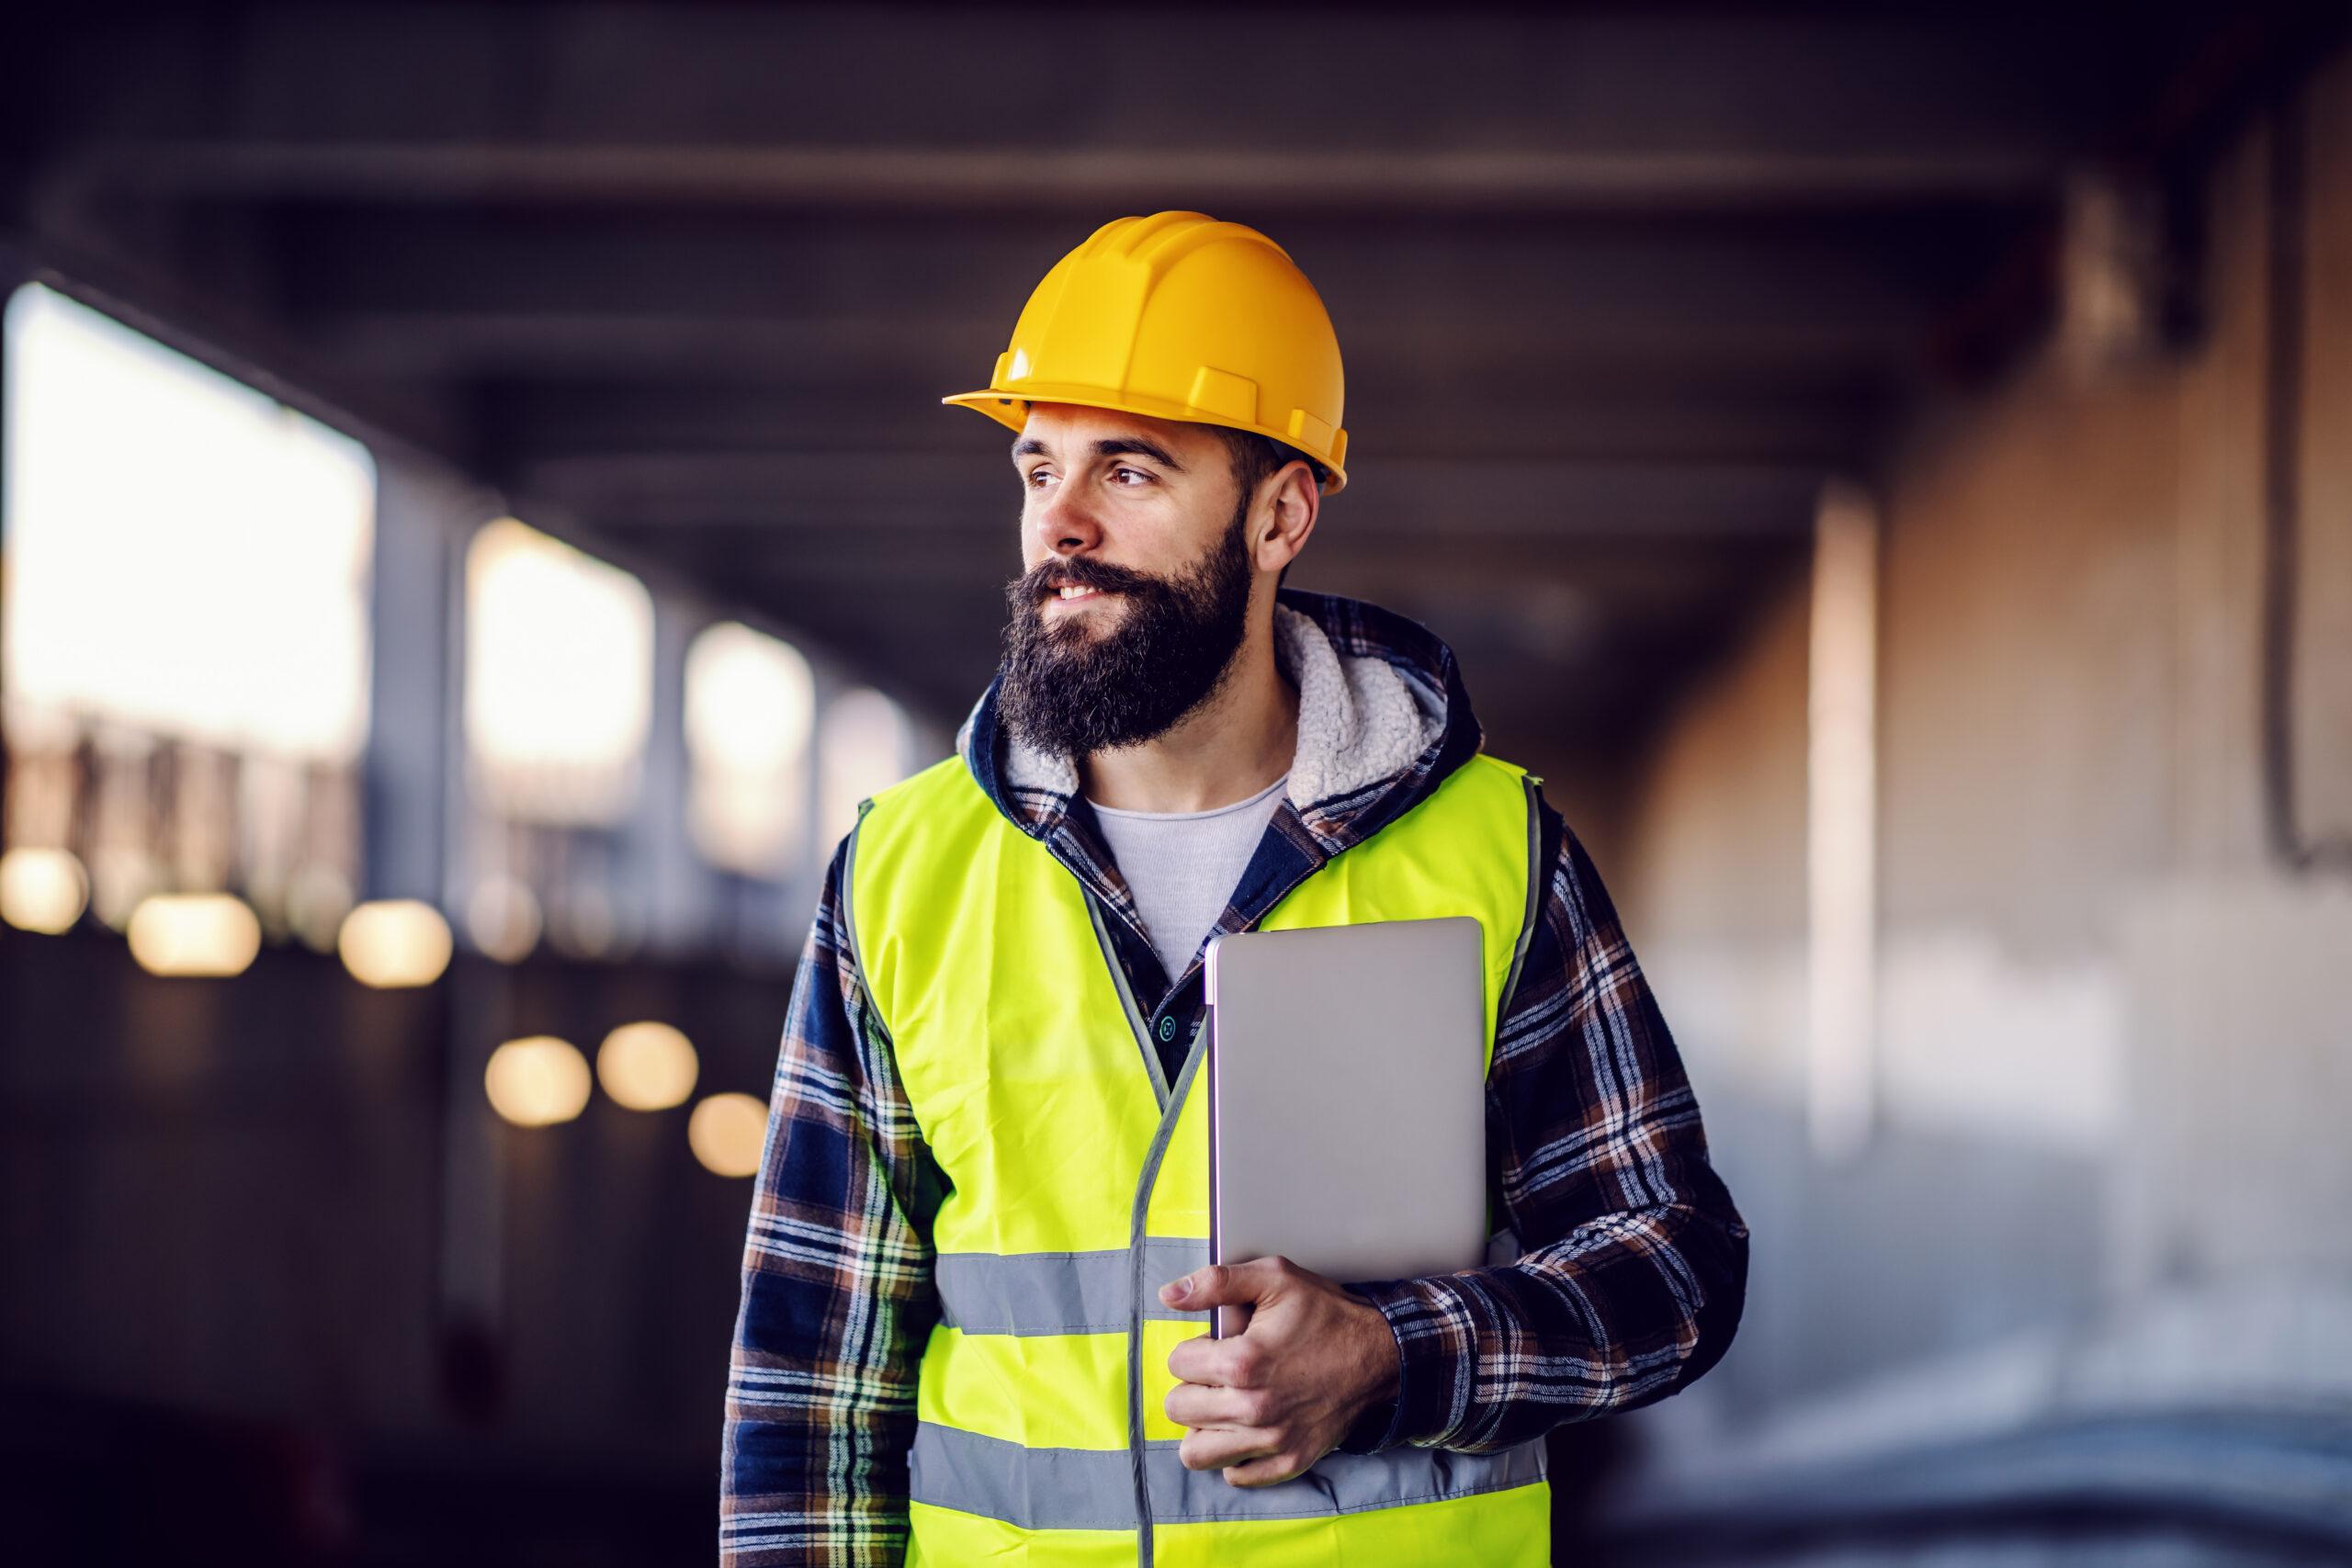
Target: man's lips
x: 1077, y: 594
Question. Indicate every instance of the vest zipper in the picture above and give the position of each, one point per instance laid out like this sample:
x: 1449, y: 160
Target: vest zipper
x: 1171, y: 1103
x: 1136, y: 1223
x: 1135, y: 1025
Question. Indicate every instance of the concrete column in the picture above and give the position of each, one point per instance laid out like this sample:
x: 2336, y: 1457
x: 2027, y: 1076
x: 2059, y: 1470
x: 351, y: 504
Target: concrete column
x: 420, y: 519
x: 415, y: 815
x: 1841, y: 857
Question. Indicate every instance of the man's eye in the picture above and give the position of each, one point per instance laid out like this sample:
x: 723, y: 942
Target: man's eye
x: 1037, y: 477
x: 1136, y: 474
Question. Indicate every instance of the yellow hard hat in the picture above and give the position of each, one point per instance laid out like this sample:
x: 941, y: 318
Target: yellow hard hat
x: 1179, y: 316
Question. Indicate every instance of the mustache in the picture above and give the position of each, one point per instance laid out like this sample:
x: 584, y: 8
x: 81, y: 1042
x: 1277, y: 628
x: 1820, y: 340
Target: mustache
x: 1080, y: 571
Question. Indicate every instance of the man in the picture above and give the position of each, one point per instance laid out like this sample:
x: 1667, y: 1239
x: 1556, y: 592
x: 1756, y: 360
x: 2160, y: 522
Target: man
x: 975, y: 1284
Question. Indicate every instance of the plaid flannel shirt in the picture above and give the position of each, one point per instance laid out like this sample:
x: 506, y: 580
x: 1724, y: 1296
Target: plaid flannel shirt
x: 1633, y: 1262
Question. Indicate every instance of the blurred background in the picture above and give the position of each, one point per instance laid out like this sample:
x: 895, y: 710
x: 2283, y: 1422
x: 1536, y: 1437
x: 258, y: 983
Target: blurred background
x: 478, y: 518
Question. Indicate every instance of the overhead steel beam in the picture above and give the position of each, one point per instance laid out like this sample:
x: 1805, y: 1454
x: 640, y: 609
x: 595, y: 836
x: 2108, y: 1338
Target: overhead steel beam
x: 1606, y: 332
x: 1030, y: 179
x: 1503, y: 283
x: 878, y: 106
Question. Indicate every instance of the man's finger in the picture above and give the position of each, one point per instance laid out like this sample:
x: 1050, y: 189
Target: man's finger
x: 1204, y: 1404
x: 1268, y: 1470
x: 1226, y: 1363
x: 1223, y: 1284
x: 1214, y: 1448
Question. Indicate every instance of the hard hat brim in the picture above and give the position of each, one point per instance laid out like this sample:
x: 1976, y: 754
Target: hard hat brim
x: 1011, y: 410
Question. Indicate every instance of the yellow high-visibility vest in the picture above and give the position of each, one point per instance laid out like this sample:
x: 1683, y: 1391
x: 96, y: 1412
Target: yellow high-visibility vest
x: 1077, y: 1185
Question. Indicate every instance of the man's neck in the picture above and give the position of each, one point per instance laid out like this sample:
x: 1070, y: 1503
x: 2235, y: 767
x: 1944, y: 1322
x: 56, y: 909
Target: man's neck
x: 1228, y: 748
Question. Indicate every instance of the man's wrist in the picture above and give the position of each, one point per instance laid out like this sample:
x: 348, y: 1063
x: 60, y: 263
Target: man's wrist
x: 1377, y: 1401
x: 1430, y: 1370
x: 1386, y: 1360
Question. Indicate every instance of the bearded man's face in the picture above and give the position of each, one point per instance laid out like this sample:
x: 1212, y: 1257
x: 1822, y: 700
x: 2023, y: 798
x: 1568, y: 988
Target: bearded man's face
x: 1137, y: 595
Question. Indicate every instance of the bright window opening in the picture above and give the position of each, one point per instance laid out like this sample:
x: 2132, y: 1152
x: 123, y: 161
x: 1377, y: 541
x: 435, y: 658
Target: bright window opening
x: 558, y: 679
x: 751, y: 701
x: 862, y: 746
x: 186, y: 557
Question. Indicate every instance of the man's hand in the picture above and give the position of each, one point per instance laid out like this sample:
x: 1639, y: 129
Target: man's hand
x: 1265, y: 1405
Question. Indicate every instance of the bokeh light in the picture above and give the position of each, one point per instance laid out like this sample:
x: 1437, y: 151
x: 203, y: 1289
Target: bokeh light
x: 647, y: 1067
x: 393, y: 942
x: 212, y: 934
x: 42, y: 890
x: 728, y: 1133
x: 537, y: 1081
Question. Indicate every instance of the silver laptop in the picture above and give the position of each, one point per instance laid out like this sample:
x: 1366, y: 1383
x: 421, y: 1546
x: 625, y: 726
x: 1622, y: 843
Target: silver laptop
x: 1347, y: 1099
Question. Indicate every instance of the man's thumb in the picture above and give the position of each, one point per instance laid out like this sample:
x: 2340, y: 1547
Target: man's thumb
x: 1206, y: 1287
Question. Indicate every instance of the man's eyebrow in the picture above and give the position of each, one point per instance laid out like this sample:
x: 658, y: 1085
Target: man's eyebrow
x: 1113, y: 447
x: 1134, y: 446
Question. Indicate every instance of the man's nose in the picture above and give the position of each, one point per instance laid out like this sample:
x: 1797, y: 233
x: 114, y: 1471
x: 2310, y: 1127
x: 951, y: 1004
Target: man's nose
x: 1060, y: 522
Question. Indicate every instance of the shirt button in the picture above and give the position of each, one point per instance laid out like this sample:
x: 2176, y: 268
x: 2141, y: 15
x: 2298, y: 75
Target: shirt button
x: 1167, y: 1027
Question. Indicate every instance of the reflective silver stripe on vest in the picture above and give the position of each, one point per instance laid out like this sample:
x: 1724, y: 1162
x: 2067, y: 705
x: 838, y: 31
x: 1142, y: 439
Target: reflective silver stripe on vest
x: 1080, y: 1292
x: 1071, y: 1489
x: 1059, y: 1292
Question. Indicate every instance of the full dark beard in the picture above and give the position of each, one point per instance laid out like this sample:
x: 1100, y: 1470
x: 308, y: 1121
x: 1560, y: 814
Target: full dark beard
x: 1067, y: 689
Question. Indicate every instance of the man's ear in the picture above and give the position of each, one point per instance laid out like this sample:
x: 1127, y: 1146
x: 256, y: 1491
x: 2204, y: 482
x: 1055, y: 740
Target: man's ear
x: 1285, y: 517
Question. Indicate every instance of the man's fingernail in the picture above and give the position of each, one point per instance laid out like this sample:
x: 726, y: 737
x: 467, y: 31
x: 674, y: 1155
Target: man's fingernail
x: 1174, y: 1289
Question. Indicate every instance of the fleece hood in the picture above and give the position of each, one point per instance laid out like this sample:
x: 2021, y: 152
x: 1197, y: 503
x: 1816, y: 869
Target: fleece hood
x: 1383, y: 719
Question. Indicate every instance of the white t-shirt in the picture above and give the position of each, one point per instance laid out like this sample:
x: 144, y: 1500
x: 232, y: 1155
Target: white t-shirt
x: 1182, y: 866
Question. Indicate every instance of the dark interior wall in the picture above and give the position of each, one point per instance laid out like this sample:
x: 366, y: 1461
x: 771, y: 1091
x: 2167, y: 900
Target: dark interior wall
x: 228, y: 1196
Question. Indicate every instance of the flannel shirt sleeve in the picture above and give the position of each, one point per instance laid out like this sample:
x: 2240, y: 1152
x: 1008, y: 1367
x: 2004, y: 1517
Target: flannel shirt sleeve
x: 1634, y: 1261
x: 837, y: 1286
